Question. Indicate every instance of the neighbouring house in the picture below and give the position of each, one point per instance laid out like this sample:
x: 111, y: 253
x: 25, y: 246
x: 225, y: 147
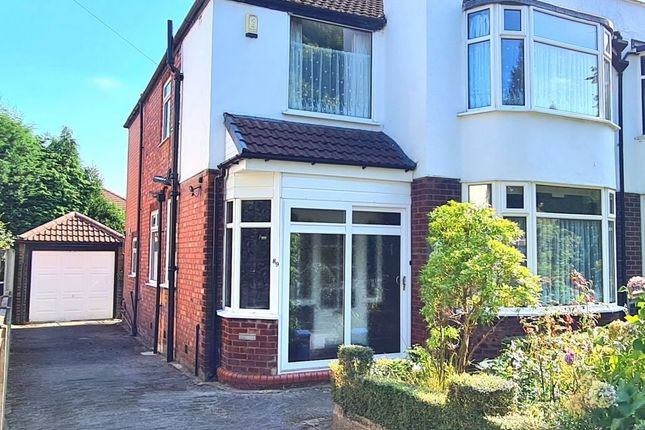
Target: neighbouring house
x: 316, y: 135
x: 118, y: 201
x: 67, y: 270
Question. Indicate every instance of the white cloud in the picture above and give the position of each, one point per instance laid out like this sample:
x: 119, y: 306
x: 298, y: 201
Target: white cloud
x: 106, y: 83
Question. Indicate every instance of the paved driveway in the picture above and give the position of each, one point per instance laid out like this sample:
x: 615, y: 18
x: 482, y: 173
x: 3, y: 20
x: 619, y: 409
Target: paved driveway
x: 94, y: 377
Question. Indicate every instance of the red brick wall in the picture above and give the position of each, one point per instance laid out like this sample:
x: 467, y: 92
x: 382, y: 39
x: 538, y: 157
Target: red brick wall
x: 427, y: 194
x: 247, y: 356
x: 633, y: 238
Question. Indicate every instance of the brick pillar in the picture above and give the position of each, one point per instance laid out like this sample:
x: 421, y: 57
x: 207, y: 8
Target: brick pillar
x: 427, y: 194
x: 633, y: 238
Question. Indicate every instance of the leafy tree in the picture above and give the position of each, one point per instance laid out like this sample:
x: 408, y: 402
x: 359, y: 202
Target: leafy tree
x: 6, y: 238
x: 473, y: 270
x: 42, y: 178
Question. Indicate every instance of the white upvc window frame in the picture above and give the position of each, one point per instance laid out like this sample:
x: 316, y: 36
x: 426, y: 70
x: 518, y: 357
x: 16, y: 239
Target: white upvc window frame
x: 491, y: 49
x: 166, y: 232
x: 348, y: 229
x: 166, y: 109
x: 152, y: 261
x: 497, y: 33
x: 134, y: 256
x: 532, y: 215
x: 641, y: 65
x: 236, y: 226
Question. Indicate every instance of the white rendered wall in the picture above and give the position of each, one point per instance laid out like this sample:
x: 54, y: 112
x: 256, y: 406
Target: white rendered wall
x: 196, y: 50
x: 251, y: 76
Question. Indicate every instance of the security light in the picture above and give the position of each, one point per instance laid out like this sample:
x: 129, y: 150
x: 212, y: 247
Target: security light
x: 162, y: 180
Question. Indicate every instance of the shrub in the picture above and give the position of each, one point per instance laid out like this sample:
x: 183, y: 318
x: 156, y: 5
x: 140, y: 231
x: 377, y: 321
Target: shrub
x: 480, y: 394
x: 473, y: 270
x: 356, y: 360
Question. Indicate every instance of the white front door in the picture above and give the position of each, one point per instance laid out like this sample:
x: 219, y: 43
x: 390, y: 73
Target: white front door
x: 345, y: 282
x: 71, y: 285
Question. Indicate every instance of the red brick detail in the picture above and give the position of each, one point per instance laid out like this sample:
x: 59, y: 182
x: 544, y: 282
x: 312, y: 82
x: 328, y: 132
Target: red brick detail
x: 427, y: 194
x: 633, y: 238
x: 248, y: 381
x: 243, y: 355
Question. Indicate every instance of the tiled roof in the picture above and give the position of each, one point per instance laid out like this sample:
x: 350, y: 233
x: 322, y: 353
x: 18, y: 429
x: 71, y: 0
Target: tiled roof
x: 272, y: 139
x: 72, y: 228
x: 367, y: 14
x: 114, y: 198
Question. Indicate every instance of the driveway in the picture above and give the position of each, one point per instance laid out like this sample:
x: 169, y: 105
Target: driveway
x: 95, y: 377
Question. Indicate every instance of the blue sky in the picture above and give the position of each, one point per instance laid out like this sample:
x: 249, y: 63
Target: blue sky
x: 61, y: 67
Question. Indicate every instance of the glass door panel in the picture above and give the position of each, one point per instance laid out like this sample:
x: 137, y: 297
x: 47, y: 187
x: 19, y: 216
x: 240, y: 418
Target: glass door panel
x: 376, y: 297
x: 316, y: 289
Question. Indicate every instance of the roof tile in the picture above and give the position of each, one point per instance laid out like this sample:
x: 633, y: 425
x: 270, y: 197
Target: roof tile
x: 292, y: 141
x: 72, y: 228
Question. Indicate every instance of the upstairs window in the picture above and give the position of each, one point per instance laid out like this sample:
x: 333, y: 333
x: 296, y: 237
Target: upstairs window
x: 330, y: 69
x: 165, y: 114
x: 570, y: 62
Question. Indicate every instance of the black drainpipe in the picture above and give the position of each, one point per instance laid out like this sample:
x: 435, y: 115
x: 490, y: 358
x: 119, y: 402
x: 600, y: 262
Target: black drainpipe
x: 135, y: 305
x: 161, y: 198
x: 174, y: 195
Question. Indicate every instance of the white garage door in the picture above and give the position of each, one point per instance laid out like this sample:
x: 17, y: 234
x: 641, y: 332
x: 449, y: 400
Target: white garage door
x: 71, y: 285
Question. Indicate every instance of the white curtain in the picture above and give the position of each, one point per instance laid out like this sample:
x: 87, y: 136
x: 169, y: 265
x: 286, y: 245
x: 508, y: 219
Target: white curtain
x: 329, y: 80
x: 479, y: 91
x: 565, y: 245
x: 565, y: 80
x: 479, y: 24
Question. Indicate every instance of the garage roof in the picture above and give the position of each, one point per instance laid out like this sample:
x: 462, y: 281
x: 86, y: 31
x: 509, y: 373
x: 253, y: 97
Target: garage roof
x: 72, y: 228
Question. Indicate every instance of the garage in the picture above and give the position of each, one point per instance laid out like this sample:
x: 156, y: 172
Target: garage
x: 67, y: 270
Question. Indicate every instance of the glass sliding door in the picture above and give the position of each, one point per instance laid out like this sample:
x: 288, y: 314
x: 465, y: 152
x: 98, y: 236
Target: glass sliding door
x: 345, y: 284
x: 376, y: 297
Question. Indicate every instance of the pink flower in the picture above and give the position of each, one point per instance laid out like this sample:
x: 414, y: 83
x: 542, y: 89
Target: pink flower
x: 570, y: 357
x: 636, y: 287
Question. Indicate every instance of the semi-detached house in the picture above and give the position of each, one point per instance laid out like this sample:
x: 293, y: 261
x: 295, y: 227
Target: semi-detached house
x: 316, y: 135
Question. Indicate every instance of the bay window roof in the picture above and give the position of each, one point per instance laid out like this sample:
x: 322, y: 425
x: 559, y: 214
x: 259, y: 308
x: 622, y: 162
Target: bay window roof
x: 271, y: 139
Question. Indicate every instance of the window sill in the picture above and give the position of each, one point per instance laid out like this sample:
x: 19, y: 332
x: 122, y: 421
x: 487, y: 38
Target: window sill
x: 153, y: 284
x: 540, y: 311
x: 246, y: 315
x: 317, y: 115
x: 540, y: 112
x: 132, y: 275
x: 164, y: 140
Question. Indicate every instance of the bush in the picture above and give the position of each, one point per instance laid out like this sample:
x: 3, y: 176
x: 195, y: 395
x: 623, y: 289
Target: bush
x: 356, y: 360
x: 476, y: 396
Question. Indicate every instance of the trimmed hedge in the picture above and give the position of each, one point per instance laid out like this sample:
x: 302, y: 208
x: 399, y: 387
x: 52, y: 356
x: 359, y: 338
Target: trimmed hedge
x: 480, y: 402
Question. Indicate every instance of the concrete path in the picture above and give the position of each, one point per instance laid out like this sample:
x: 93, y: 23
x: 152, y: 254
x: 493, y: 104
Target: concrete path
x: 94, y: 377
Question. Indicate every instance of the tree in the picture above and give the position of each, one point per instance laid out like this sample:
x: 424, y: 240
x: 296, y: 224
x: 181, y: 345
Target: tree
x: 473, y: 270
x: 6, y: 238
x: 42, y: 178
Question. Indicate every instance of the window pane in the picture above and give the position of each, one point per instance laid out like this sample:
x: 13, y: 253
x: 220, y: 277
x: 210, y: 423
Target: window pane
x: 376, y: 270
x: 480, y: 195
x: 512, y: 20
x: 513, y: 72
x: 228, y: 266
x: 515, y: 197
x: 479, y: 92
x: 379, y: 218
x: 330, y: 69
x: 612, y: 262
x: 316, y: 289
x: 520, y: 244
x: 154, y: 255
x: 563, y: 246
x: 565, y: 80
x: 612, y: 203
x: 479, y: 24
x: 565, y: 200
x: 317, y: 215
x: 565, y: 30
x: 255, y: 256
x: 229, y: 212
x: 643, y: 91
x: 256, y: 211
x: 166, y: 89
x: 607, y: 75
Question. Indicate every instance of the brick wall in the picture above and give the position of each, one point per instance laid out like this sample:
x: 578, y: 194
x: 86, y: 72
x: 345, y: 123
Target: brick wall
x: 633, y: 238
x: 427, y: 194
x: 249, y: 347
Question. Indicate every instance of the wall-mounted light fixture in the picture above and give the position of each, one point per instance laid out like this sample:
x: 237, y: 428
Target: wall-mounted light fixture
x: 251, y: 26
x: 197, y: 189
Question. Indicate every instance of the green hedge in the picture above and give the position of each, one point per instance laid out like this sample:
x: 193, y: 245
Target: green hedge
x: 471, y: 402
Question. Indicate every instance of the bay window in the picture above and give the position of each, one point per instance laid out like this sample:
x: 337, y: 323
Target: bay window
x: 565, y: 229
x: 570, y: 62
x: 330, y: 69
x: 247, y: 256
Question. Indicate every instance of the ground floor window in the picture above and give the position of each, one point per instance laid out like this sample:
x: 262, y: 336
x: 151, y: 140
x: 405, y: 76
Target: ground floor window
x: 345, y: 282
x: 566, y: 229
